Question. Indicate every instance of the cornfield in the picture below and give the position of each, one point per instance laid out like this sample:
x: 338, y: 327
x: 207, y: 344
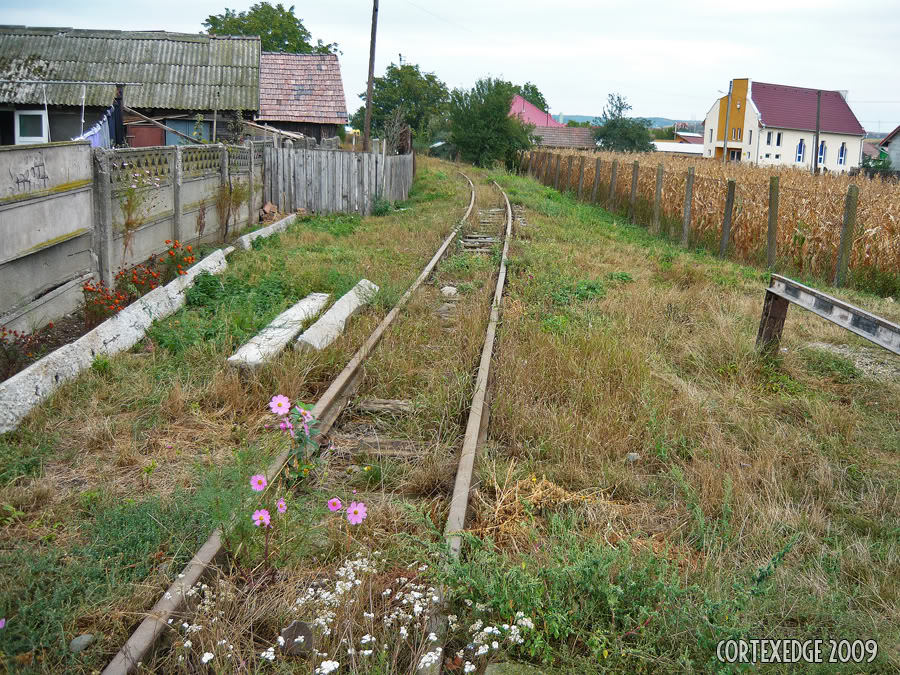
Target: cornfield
x: 810, y: 210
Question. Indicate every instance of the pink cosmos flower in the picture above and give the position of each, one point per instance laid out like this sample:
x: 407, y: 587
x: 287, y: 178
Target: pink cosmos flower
x: 2, y: 623
x: 261, y: 517
x: 258, y: 482
x: 305, y: 414
x: 334, y: 504
x: 306, y: 429
x: 356, y: 513
x: 280, y: 405
x: 287, y: 426
x: 281, y: 505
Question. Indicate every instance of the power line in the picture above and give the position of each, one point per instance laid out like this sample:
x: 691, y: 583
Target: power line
x: 438, y: 16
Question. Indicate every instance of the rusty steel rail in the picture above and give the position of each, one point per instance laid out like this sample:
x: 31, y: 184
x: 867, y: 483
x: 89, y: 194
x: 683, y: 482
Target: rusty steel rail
x: 326, y: 410
x: 479, y: 413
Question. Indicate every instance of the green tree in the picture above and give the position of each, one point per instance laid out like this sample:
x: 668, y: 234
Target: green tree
x: 481, y: 126
x: 619, y: 133
x: 663, y: 133
x: 420, y: 95
x: 278, y: 29
x: 533, y: 95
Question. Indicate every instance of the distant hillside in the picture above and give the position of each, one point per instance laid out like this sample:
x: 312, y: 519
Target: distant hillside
x: 654, y: 121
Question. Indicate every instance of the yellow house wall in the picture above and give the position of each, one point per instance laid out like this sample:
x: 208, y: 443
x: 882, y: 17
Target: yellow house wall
x: 739, y: 104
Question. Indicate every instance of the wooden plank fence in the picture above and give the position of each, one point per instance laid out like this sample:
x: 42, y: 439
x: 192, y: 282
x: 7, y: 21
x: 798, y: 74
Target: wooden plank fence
x: 335, y: 181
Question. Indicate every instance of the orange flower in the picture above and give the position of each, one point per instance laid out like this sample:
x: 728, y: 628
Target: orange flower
x: 168, y: 241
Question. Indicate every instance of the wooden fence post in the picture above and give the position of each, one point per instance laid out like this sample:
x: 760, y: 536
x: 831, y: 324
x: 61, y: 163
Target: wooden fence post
x: 771, y: 240
x: 636, y: 167
x: 568, y: 174
x: 772, y: 323
x: 596, y: 181
x: 657, y: 198
x: 611, y: 201
x: 726, y: 220
x: 848, y: 232
x: 581, y: 179
x: 688, y: 198
x: 556, y: 173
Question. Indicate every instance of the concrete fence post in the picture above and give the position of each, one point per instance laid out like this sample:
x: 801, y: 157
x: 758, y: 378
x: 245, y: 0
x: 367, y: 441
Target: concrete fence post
x: 104, y: 237
x: 657, y: 198
x: 726, y: 220
x: 848, y: 232
x: 772, y: 238
x: 634, y: 183
x: 251, y: 177
x: 688, y: 198
x: 611, y: 202
x: 178, y: 206
x: 596, y: 180
x: 581, y: 179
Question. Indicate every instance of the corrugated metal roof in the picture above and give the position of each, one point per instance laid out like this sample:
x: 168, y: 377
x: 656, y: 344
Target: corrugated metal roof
x: 180, y: 71
x: 301, y: 88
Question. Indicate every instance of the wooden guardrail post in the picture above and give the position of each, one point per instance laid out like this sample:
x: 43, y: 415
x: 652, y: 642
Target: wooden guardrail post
x: 772, y: 238
x: 726, y: 220
x: 848, y: 232
x: 596, y: 180
x: 636, y: 167
x: 657, y: 197
x: 568, y: 173
x: 611, y: 201
x: 556, y: 173
x: 548, y: 159
x: 772, y: 323
x: 581, y: 179
x: 688, y: 198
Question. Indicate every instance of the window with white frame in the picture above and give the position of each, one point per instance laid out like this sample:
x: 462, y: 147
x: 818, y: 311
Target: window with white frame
x: 842, y: 154
x: 768, y: 155
x: 768, y: 138
x: 821, y: 152
x: 801, y: 151
x: 750, y: 137
x: 710, y: 135
x: 778, y: 140
x: 777, y: 156
x: 736, y: 134
x: 31, y: 127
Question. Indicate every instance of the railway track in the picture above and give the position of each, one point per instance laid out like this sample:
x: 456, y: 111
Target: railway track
x: 490, y: 238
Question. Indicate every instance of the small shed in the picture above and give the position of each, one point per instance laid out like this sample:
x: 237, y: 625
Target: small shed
x: 302, y: 93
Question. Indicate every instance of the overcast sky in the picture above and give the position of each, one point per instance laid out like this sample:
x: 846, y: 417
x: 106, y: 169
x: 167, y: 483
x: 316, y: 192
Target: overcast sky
x: 668, y: 59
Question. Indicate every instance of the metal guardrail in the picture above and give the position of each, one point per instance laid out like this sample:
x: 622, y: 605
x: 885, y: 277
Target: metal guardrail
x: 783, y: 291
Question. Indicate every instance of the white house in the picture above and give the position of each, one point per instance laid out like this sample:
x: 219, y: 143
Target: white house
x: 891, y: 145
x: 775, y: 124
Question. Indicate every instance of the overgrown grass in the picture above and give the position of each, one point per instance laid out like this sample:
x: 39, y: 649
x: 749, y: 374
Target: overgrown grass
x: 157, y: 424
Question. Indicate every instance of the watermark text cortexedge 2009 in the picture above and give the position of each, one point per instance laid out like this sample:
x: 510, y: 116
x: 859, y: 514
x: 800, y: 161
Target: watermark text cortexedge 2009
x: 796, y: 651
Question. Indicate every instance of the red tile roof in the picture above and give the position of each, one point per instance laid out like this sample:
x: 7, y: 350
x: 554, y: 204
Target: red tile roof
x: 787, y: 107
x: 531, y: 114
x: 301, y: 88
x: 565, y: 137
x: 871, y: 149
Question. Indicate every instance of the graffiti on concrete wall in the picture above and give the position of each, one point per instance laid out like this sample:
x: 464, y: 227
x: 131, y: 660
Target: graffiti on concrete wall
x: 29, y: 174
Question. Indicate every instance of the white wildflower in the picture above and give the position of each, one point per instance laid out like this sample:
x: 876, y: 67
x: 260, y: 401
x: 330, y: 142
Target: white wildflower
x: 207, y: 657
x: 327, y: 667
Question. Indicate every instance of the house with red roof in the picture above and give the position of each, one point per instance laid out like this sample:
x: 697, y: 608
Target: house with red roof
x: 891, y: 146
x: 548, y: 132
x: 775, y: 124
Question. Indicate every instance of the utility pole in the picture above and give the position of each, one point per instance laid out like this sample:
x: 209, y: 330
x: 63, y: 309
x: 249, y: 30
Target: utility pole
x: 368, y: 124
x: 815, y: 159
x: 727, y: 114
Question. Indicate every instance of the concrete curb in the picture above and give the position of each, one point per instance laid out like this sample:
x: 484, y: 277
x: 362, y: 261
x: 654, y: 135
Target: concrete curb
x: 276, y: 336
x: 244, y: 242
x: 331, y: 324
x: 25, y: 390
